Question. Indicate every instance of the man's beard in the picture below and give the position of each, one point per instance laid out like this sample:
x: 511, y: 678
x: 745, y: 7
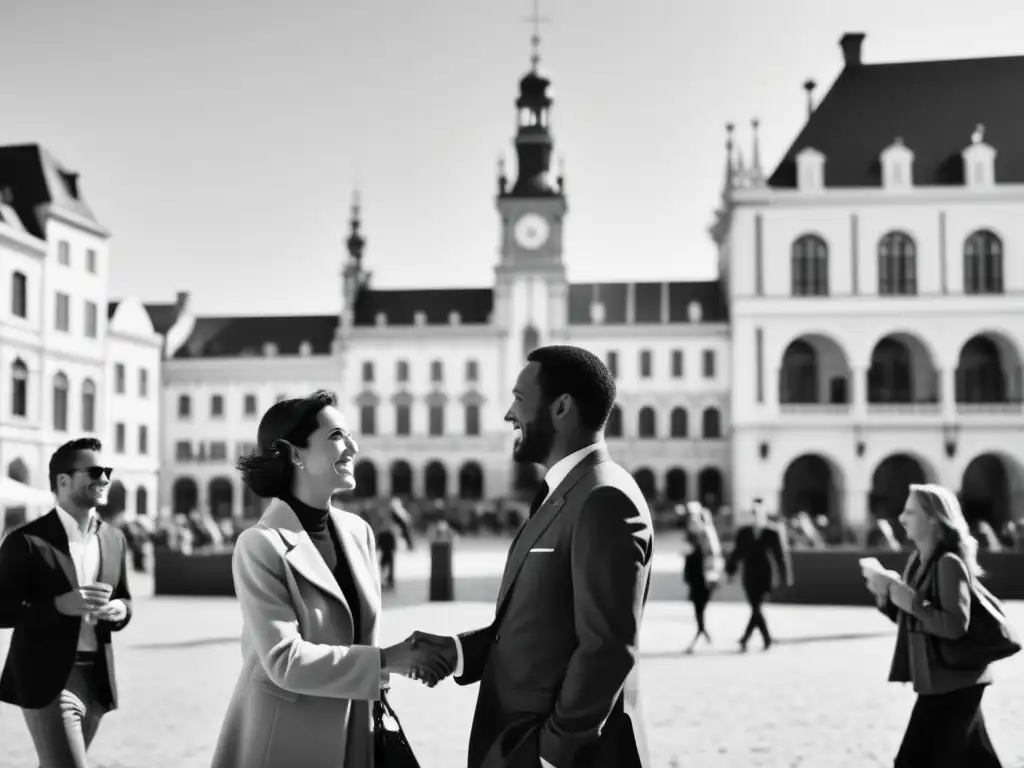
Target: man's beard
x: 538, y: 437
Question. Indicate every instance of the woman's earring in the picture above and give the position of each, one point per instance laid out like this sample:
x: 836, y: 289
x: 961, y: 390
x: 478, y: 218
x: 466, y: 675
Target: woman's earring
x: 299, y: 465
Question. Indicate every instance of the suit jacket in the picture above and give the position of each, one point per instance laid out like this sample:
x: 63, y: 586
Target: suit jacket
x: 36, y: 567
x: 305, y: 692
x: 558, y: 666
x: 942, y: 608
x: 756, y: 553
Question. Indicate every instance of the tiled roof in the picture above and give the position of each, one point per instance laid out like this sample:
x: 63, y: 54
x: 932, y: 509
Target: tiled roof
x: 934, y: 106
x: 647, y: 302
x: 163, y: 316
x: 35, y: 177
x: 239, y: 336
x: 400, y: 306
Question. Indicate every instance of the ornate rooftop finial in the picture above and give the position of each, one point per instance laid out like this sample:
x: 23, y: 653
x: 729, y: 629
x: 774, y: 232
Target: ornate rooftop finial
x: 979, y: 134
x: 809, y: 86
x: 536, y: 19
x: 755, y: 160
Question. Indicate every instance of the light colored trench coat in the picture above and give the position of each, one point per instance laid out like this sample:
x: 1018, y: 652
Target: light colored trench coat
x: 304, y: 696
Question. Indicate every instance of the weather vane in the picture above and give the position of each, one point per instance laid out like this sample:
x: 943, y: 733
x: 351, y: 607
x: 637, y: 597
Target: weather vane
x: 536, y: 19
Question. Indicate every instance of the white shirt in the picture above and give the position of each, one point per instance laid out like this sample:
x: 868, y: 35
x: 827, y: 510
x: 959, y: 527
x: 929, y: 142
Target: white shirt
x: 554, y: 477
x: 85, y: 554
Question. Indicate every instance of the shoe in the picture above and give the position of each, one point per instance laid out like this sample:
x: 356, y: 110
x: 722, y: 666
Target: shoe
x: 768, y: 643
x: 743, y: 646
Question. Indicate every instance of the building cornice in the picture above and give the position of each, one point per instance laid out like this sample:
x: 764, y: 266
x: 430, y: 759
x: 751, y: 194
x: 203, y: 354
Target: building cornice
x: 155, y: 340
x: 431, y: 333
x: 871, y: 196
x: 747, y: 306
x: 649, y: 331
x: 246, y: 370
x: 32, y: 245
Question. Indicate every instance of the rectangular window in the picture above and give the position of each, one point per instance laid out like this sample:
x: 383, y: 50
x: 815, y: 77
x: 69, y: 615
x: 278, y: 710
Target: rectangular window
x: 183, y: 450
x: 677, y: 363
x: 143, y: 382
x: 119, y: 378
x: 472, y: 419
x: 90, y: 261
x: 472, y: 371
x: 19, y: 295
x: 367, y: 420
x: 143, y: 440
x: 218, y: 450
x: 645, y: 364
x: 63, y: 253
x: 63, y: 318
x: 119, y: 439
x: 217, y: 406
x: 367, y: 373
x: 436, y: 420
x: 612, y: 361
x: 250, y: 405
x: 709, y: 363
x: 402, y: 371
x: 184, y: 407
x: 437, y: 371
x: 403, y: 420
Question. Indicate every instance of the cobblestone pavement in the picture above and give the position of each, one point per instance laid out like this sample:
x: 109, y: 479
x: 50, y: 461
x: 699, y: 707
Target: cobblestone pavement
x: 818, y: 698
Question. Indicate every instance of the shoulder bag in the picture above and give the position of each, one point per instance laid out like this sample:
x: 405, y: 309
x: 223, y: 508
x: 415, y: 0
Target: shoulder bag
x: 989, y: 635
x: 391, y: 748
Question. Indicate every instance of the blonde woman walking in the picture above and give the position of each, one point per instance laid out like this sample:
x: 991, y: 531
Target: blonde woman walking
x: 932, y: 602
x: 702, y: 568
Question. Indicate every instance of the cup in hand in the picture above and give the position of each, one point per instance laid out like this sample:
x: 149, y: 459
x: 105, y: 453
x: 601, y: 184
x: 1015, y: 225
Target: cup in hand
x: 96, y: 596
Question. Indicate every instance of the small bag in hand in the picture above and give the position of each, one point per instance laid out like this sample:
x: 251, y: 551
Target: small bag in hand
x: 390, y: 747
x: 989, y: 635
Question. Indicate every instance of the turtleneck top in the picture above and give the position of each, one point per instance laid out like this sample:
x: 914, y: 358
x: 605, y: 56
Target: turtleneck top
x: 316, y: 522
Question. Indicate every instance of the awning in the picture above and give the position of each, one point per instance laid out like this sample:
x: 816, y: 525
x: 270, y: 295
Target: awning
x: 14, y: 493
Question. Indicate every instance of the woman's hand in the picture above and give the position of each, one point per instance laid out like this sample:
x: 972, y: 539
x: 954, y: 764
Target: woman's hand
x: 427, y: 662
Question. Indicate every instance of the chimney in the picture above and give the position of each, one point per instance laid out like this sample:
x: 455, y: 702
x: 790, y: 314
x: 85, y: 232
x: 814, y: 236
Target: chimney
x: 182, y: 301
x: 851, y: 44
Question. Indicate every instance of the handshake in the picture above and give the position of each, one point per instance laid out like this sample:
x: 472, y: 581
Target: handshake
x: 422, y: 656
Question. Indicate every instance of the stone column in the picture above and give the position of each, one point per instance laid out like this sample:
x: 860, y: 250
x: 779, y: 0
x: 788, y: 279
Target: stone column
x: 858, y: 393
x: 947, y: 393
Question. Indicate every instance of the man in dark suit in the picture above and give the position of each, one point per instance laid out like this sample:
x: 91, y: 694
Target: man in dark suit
x: 64, y: 589
x: 757, y: 546
x: 557, y: 667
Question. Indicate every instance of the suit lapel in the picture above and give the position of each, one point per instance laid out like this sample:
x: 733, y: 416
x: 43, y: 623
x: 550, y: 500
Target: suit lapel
x: 542, y: 520
x: 58, y: 539
x: 357, y: 559
x: 302, y: 555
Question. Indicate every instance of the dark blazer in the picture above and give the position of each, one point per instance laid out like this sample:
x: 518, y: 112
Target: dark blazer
x: 756, y: 553
x: 558, y: 666
x: 36, y: 567
x: 942, y: 608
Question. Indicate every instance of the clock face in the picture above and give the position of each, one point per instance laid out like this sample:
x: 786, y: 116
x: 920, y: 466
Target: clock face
x: 531, y: 231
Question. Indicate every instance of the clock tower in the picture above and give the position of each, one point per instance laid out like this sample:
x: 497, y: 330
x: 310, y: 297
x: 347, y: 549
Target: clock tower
x: 531, y: 287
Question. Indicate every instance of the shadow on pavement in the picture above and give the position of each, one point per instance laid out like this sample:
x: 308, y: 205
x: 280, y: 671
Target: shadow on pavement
x: 206, y: 641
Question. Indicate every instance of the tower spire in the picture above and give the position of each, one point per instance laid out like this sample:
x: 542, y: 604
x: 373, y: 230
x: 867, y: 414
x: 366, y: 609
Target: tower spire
x: 356, y: 242
x: 536, y: 20
x: 755, y: 160
x: 730, y: 166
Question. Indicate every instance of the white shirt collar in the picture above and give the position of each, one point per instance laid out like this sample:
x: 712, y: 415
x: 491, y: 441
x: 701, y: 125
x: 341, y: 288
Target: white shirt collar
x: 71, y: 525
x: 561, y: 468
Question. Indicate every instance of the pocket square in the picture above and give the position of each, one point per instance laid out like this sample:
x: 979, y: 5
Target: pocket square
x: 543, y: 549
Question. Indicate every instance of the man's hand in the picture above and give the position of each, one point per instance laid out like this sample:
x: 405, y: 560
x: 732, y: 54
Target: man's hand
x: 77, y: 602
x: 114, y: 611
x: 437, y: 652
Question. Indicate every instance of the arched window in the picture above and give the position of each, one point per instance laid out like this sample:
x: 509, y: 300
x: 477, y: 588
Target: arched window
x: 680, y: 426
x: 809, y: 267
x: 897, y: 265
x: 60, y: 402
x: 19, y: 388
x: 646, y: 426
x: 88, y: 406
x: 712, y: 426
x: 983, y: 263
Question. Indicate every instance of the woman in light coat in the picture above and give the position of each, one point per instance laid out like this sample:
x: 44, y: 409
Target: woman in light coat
x: 309, y: 591
x: 933, y: 600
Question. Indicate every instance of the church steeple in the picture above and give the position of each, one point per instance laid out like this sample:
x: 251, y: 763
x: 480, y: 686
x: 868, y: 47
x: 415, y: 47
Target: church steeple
x: 356, y: 242
x: 533, y: 140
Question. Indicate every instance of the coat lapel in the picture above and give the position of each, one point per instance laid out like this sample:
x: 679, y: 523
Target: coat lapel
x: 58, y: 539
x: 541, y: 521
x: 357, y: 559
x: 302, y: 555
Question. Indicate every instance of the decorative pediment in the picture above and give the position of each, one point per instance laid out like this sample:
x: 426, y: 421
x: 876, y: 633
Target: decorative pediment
x: 810, y: 170
x: 436, y: 398
x: 897, y: 161
x: 472, y: 397
x: 979, y: 161
x: 402, y: 399
x: 366, y: 397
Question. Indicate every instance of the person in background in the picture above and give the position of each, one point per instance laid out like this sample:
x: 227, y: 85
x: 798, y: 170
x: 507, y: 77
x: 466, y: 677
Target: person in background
x: 757, y: 546
x: 387, y: 543
x: 881, y: 536
x: 933, y: 600
x: 64, y: 590
x: 702, y: 568
x: 309, y: 592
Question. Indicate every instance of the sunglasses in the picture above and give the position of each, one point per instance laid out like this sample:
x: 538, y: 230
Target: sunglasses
x: 94, y: 472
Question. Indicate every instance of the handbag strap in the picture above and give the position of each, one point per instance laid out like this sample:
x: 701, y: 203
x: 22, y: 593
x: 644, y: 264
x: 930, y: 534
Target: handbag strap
x: 389, y: 710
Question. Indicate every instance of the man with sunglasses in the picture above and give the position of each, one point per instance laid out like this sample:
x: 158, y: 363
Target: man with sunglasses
x: 64, y: 589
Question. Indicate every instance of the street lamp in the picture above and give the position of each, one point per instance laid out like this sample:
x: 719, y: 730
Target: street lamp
x: 858, y: 440
x: 950, y: 433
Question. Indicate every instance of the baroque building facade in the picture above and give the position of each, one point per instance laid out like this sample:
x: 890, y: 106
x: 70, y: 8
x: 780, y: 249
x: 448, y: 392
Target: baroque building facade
x: 876, y: 301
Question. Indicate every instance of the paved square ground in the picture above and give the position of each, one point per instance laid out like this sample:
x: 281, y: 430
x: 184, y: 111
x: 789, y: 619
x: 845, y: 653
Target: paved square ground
x: 818, y: 699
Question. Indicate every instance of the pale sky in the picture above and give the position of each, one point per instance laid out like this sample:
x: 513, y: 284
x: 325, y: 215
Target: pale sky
x: 220, y: 141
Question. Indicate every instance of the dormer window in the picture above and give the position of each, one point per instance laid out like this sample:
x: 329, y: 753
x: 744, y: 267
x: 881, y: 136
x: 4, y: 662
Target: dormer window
x: 419, y: 318
x: 897, y: 166
x: 695, y: 312
x: 269, y: 349
x: 305, y: 349
x: 380, y: 319
x: 597, y: 312
x: 810, y: 170
x: 454, y: 318
x: 979, y: 161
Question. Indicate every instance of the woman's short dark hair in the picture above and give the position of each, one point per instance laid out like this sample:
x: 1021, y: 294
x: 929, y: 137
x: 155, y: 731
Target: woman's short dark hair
x: 268, y: 470
x: 569, y: 370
